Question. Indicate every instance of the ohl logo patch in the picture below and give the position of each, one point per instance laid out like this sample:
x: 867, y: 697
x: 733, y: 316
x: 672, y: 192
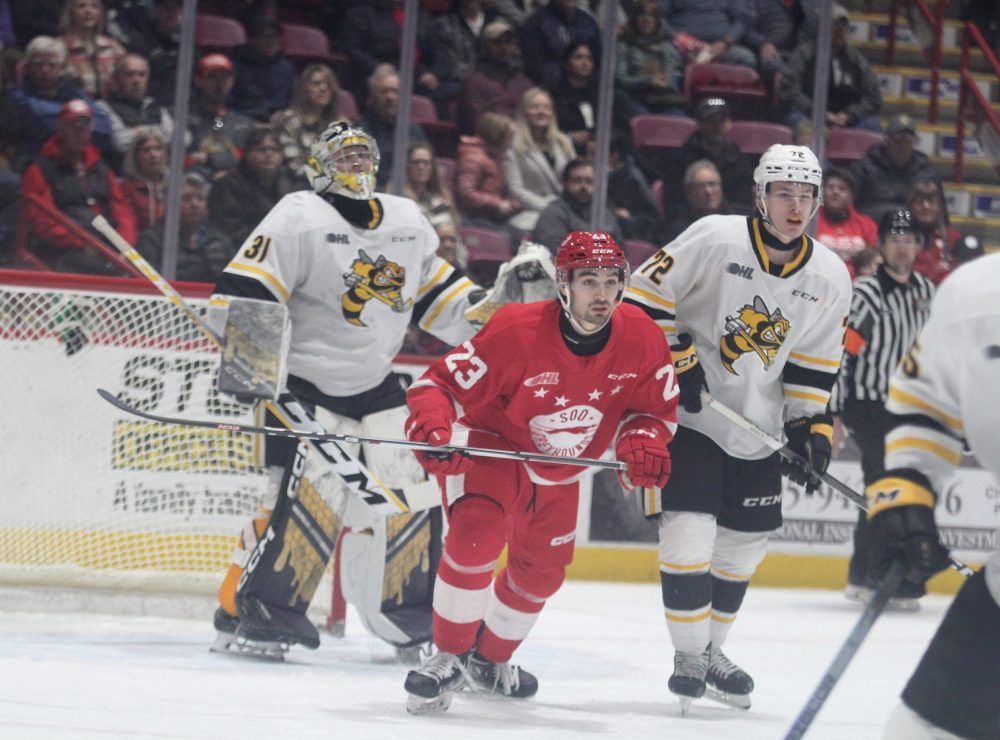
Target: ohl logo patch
x: 753, y: 329
x: 379, y: 279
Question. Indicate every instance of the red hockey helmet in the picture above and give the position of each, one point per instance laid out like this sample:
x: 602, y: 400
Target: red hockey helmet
x: 588, y: 249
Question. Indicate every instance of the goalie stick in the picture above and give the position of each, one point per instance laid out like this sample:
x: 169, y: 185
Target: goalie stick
x: 353, y: 438
x: 789, y: 454
x: 355, y: 476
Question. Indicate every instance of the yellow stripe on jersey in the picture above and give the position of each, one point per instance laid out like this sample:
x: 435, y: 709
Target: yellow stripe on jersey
x: 917, y: 443
x: 820, y: 399
x: 908, y: 399
x: 652, y: 298
x: 263, y: 276
x: 443, y: 272
x: 678, y: 566
x: 814, y: 360
x: 693, y: 618
x: 461, y: 286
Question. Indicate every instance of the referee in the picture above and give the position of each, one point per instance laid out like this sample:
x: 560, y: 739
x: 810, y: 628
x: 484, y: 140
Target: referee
x: 888, y: 310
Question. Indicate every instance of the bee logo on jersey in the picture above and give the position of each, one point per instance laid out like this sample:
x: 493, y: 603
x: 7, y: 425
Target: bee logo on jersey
x: 753, y: 329
x: 380, y: 279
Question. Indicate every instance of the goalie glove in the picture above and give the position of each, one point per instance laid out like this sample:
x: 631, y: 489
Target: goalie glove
x: 690, y: 374
x: 529, y: 276
x: 431, y: 424
x: 901, y: 526
x: 812, y: 438
x: 642, y: 446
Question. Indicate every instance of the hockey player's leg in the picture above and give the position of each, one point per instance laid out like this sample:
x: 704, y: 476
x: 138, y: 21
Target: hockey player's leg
x: 956, y: 685
x: 476, y: 536
x: 686, y: 545
x: 736, y: 557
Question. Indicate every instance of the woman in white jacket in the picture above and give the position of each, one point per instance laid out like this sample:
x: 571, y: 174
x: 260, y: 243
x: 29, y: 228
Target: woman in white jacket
x: 534, y: 162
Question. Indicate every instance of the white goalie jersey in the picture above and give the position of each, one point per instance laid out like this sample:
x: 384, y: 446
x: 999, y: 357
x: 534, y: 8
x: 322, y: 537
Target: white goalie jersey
x: 351, y: 292
x: 769, y: 337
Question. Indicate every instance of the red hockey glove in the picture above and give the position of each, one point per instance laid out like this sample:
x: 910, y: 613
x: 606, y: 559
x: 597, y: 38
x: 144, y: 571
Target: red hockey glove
x: 812, y: 438
x: 690, y: 374
x: 643, y: 448
x: 432, y: 425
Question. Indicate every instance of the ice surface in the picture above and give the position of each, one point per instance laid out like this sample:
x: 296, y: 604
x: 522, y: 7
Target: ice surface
x: 601, y: 653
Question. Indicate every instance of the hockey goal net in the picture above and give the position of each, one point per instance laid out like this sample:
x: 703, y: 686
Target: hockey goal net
x: 93, y: 498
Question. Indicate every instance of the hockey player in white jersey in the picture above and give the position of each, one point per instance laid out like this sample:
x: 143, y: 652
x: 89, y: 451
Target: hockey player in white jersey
x: 944, y: 397
x: 354, y: 268
x: 754, y: 311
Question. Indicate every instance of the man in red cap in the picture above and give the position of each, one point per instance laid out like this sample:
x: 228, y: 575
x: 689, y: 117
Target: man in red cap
x: 69, y: 177
x: 217, y: 133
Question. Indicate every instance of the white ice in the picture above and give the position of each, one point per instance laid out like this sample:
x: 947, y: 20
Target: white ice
x: 600, y: 651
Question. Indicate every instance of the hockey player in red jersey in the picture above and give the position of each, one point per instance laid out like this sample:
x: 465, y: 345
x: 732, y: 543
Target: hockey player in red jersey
x: 564, y: 378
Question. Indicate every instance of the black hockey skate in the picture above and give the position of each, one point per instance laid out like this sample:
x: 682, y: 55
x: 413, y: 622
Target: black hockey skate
x: 500, y: 678
x: 688, y: 681
x: 726, y: 682
x: 431, y: 685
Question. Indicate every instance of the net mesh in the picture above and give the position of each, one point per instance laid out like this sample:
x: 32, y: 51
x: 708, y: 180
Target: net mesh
x: 92, y: 496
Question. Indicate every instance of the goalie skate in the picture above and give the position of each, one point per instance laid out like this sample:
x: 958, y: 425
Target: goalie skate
x: 235, y: 638
x: 430, y: 686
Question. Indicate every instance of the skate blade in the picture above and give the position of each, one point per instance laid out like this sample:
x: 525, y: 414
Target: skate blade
x: 685, y: 702
x: 422, y: 705
x: 228, y: 644
x: 736, y: 701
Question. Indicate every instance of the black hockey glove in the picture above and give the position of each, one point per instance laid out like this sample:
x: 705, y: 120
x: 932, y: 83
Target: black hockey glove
x: 812, y: 438
x: 690, y: 373
x: 901, y: 526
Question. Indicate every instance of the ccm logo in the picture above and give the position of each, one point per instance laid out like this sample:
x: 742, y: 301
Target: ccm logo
x: 757, y: 501
x: 803, y: 294
x: 563, y: 539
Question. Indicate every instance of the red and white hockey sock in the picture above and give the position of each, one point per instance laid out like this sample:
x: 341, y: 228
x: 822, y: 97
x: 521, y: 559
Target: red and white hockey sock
x: 511, y: 612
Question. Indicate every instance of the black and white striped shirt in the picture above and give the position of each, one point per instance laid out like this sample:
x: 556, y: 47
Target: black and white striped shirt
x: 886, y: 317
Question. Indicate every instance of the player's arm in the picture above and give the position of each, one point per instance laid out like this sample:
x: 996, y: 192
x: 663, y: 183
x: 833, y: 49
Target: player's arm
x: 443, y: 294
x: 808, y: 377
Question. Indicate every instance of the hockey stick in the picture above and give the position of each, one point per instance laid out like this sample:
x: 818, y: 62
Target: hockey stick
x: 847, y: 651
x: 353, y: 438
x: 356, y: 477
x: 789, y: 454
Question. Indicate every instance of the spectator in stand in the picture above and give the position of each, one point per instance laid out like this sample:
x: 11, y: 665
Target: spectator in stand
x: 155, y: 34
x: 370, y: 36
x: 379, y: 119
x: 129, y: 107
x: 315, y: 105
x: 38, y: 99
x: 571, y: 211
x: 481, y: 192
x: 774, y: 29
x: 546, y: 34
x: 516, y: 12
x: 703, y: 196
x: 575, y: 96
x: 708, y: 30
x: 450, y: 248
x: 241, y: 199
x: 145, y: 183
x: 202, y: 250
x: 629, y: 195
x: 648, y: 63
x: 90, y: 53
x: 496, y: 84
x: 888, y: 170
x: 217, y: 133
x: 264, y: 77
x: 70, y: 176
x: 944, y: 248
x: 459, y: 33
x: 839, y: 226
x: 426, y: 187
x: 534, y: 162
x: 710, y: 140
x: 853, y: 94
x: 10, y: 180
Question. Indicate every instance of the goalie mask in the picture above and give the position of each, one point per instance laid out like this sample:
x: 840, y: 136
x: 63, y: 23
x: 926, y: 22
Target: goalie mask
x: 344, y: 160
x: 582, y: 249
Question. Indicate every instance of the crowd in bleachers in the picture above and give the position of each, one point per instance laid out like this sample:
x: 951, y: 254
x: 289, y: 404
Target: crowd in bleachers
x: 503, y: 120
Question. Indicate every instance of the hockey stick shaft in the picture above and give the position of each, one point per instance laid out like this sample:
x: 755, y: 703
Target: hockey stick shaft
x: 353, y: 438
x: 355, y: 476
x: 789, y: 454
x: 847, y: 651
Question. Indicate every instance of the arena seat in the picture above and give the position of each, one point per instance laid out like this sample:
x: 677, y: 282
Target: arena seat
x: 218, y: 33
x: 754, y: 137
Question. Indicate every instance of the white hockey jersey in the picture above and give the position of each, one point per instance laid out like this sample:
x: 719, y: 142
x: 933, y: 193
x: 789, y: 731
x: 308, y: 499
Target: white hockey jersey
x: 351, y: 292
x: 769, y: 337
x: 951, y: 379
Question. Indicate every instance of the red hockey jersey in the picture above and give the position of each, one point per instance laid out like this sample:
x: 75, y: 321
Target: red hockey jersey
x: 517, y: 379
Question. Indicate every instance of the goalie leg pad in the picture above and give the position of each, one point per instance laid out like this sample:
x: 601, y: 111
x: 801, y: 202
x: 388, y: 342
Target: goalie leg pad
x: 687, y: 540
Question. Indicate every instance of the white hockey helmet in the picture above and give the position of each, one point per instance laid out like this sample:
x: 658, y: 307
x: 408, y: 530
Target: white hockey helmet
x: 326, y: 175
x: 788, y: 163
